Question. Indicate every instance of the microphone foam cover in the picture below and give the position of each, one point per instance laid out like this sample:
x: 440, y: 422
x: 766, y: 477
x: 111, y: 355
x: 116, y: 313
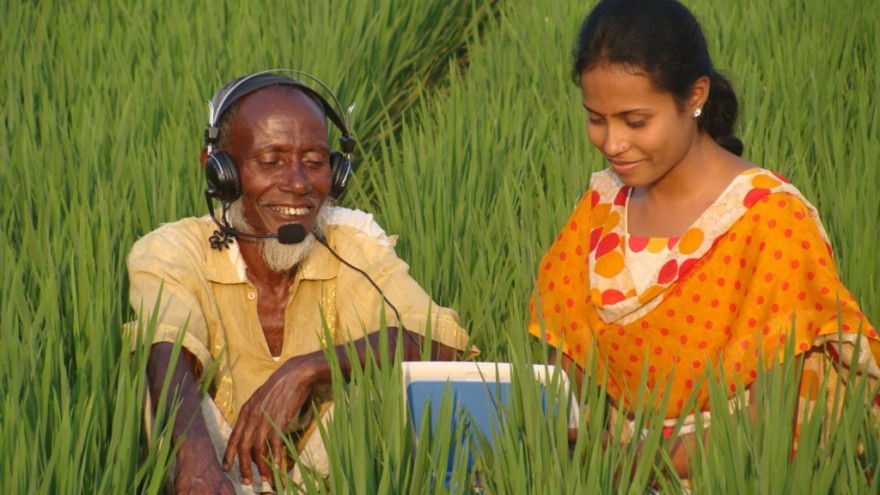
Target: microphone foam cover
x: 291, y: 233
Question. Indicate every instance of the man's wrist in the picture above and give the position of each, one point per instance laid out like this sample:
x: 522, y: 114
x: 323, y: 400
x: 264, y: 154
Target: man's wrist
x: 311, y: 368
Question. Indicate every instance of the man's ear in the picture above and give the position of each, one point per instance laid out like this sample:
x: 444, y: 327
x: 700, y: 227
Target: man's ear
x: 203, y: 156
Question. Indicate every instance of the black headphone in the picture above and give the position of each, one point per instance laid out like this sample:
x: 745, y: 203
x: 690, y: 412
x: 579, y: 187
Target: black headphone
x: 221, y: 171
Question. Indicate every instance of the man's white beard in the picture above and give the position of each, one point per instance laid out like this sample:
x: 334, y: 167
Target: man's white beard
x: 278, y: 257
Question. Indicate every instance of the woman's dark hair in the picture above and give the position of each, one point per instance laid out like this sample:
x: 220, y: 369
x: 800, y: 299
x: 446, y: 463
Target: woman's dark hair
x: 663, y: 40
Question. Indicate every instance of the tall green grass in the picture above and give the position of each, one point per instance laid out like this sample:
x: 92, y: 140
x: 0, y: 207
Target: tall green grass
x: 472, y: 149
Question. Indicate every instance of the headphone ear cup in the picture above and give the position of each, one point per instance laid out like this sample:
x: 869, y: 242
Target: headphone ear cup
x: 221, y: 173
x: 340, y: 167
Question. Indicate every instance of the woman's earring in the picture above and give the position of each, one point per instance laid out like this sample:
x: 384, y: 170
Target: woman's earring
x: 698, y: 112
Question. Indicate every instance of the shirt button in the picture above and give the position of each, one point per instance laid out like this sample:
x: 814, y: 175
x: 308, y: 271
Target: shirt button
x: 252, y: 295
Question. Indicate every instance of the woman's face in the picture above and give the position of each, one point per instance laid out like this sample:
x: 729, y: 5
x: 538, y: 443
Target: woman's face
x: 641, y: 130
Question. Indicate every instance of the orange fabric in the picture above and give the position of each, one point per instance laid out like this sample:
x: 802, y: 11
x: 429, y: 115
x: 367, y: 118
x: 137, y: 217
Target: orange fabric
x: 752, y: 268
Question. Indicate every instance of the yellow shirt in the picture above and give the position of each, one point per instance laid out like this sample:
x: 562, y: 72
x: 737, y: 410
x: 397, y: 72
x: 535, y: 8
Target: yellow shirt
x: 207, y: 292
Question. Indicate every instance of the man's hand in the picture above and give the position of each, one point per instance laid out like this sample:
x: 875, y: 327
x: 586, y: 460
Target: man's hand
x: 276, y: 401
x: 201, y: 475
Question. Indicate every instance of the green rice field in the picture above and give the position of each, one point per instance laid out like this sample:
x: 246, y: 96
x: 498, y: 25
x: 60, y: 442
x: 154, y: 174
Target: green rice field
x: 472, y: 148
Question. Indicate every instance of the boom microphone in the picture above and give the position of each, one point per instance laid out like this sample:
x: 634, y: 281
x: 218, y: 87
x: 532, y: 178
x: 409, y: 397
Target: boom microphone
x: 290, y: 233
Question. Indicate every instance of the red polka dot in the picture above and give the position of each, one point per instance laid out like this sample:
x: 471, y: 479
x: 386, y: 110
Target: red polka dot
x: 774, y: 308
x: 612, y: 296
x: 658, y: 350
x: 805, y: 245
x: 573, y: 226
x: 768, y: 277
x: 732, y: 308
x: 803, y: 346
x: 637, y: 244
x: 686, y: 267
x: 737, y: 285
x: 802, y: 295
x: 784, y: 286
x: 696, y: 364
x: 818, y: 307
x: 795, y: 264
x: 594, y: 238
x: 759, y: 300
x: 566, y: 280
x: 645, y: 325
x: 744, y: 344
x: 799, y: 215
x: 562, y: 256
x: 683, y: 339
x: 771, y: 224
x: 708, y: 325
x: 742, y: 262
x: 703, y: 277
x: 777, y: 255
x: 703, y: 345
x: 788, y: 232
x: 667, y: 272
x: 714, y: 303
x: 639, y: 341
x: 737, y: 366
x: 621, y: 331
x: 762, y: 246
x: 753, y: 323
x: 689, y: 383
x: 756, y: 217
x: 557, y: 308
x: 670, y: 313
x: 720, y: 282
x: 547, y: 266
x: 753, y: 196
x: 615, y: 346
x: 765, y: 330
x: 607, y: 244
x: 733, y: 236
x: 748, y: 239
x: 574, y: 326
x: 579, y: 250
x: 696, y: 298
x: 822, y: 261
x: 551, y: 286
x: 633, y: 358
x: 664, y: 331
x: 753, y: 374
x: 783, y: 179
x: 689, y: 318
x: 727, y: 259
x: 570, y: 303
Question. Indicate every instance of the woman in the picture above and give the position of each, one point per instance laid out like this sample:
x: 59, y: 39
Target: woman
x: 682, y: 252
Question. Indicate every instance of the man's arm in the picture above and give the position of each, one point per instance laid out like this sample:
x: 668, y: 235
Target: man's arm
x: 197, y: 468
x: 285, y: 392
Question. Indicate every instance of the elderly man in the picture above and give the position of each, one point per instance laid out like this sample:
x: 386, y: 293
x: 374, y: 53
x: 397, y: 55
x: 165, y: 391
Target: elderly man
x: 249, y: 294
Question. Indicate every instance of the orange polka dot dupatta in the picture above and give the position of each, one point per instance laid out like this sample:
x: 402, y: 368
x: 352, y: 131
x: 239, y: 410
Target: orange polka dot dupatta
x: 754, y: 270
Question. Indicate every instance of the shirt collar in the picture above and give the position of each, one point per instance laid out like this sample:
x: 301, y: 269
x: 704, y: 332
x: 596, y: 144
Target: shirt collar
x: 228, y: 266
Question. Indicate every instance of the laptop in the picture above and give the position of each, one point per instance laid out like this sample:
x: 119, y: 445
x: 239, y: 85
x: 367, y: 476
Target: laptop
x: 479, y: 395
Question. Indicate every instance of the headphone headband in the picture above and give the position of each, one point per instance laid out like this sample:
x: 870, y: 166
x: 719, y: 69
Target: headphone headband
x: 234, y: 90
